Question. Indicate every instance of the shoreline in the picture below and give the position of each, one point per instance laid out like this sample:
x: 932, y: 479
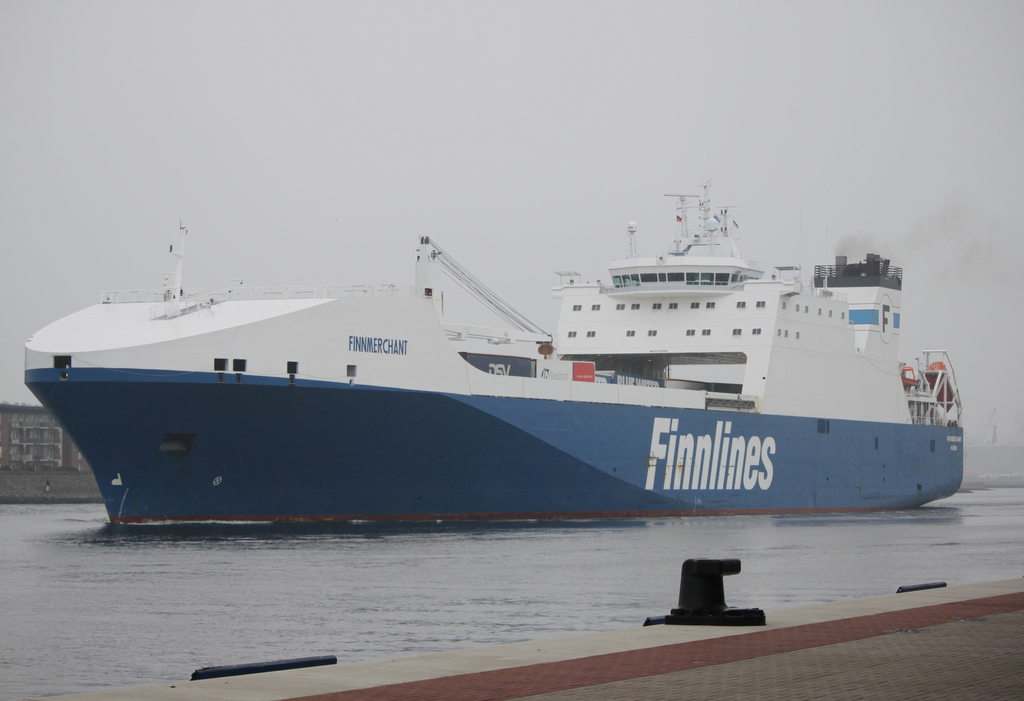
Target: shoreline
x: 64, y: 488
x: 862, y: 648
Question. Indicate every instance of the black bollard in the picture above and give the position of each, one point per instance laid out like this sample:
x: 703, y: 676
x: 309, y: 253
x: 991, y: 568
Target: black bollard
x: 702, y: 597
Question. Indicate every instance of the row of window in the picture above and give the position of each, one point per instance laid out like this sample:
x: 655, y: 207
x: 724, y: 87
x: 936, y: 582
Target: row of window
x: 36, y: 434
x: 291, y: 366
x: 807, y: 310
x: 637, y: 279
x: 781, y: 333
x: 673, y: 305
x: 689, y: 332
x: 35, y: 419
x: 41, y: 452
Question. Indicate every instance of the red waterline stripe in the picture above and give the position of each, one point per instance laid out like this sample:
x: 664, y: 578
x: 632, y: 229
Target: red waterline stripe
x: 519, y: 682
x: 510, y: 516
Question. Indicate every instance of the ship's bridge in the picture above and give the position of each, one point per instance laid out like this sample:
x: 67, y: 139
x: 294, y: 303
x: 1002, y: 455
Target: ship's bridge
x: 678, y: 272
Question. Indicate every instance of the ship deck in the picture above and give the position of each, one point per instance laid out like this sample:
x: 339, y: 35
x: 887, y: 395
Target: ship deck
x: 957, y: 642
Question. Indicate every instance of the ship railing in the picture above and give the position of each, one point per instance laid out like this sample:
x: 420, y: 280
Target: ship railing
x: 827, y: 294
x: 310, y: 292
x: 730, y: 402
x: 247, y: 293
x: 165, y: 306
x: 871, y: 268
x: 130, y: 296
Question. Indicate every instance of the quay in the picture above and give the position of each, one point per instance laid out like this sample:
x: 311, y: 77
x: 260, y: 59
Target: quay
x: 961, y: 642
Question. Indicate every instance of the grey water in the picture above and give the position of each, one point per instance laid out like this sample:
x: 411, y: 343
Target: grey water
x: 89, y: 606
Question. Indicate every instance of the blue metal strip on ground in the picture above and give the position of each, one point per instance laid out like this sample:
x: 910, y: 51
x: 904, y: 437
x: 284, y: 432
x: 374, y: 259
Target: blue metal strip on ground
x: 259, y: 667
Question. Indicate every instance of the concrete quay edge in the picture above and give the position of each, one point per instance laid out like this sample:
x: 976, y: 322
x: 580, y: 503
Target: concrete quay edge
x: 335, y: 680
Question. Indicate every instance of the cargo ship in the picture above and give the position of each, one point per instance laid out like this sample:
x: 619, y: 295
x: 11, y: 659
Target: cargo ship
x: 692, y: 382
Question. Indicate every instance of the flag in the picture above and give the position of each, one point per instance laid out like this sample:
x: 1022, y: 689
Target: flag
x: 678, y: 218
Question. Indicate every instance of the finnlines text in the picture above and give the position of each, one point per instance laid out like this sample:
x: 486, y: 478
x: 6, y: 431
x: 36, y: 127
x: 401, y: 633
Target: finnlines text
x: 705, y: 462
x: 369, y: 344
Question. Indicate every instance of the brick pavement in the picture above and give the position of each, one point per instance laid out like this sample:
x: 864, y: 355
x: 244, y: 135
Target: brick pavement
x: 963, y: 649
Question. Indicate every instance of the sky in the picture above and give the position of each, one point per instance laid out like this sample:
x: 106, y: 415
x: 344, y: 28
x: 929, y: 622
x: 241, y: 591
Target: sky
x: 313, y: 142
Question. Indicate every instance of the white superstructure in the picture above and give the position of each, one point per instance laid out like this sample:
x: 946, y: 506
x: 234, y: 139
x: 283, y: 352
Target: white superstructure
x: 702, y: 317
x: 715, y: 330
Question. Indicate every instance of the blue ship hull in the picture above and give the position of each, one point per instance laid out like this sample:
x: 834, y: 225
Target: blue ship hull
x: 265, y: 450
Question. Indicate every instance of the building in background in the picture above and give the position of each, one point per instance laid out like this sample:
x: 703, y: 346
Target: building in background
x: 32, y: 441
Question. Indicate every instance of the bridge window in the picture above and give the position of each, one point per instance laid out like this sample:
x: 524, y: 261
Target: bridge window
x: 677, y: 277
x: 692, y: 278
x: 648, y: 277
x: 721, y: 278
x: 707, y: 278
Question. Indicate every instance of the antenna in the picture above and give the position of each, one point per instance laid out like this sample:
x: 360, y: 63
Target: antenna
x: 683, y: 232
x: 631, y: 232
x: 705, y: 204
x: 180, y: 255
x: 173, y: 296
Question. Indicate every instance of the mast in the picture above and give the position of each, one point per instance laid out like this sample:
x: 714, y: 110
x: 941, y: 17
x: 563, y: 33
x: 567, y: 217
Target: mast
x: 175, y: 290
x: 683, y: 233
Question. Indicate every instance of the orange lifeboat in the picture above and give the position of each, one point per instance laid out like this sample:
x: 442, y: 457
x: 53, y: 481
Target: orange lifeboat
x: 908, y: 376
x: 937, y: 365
